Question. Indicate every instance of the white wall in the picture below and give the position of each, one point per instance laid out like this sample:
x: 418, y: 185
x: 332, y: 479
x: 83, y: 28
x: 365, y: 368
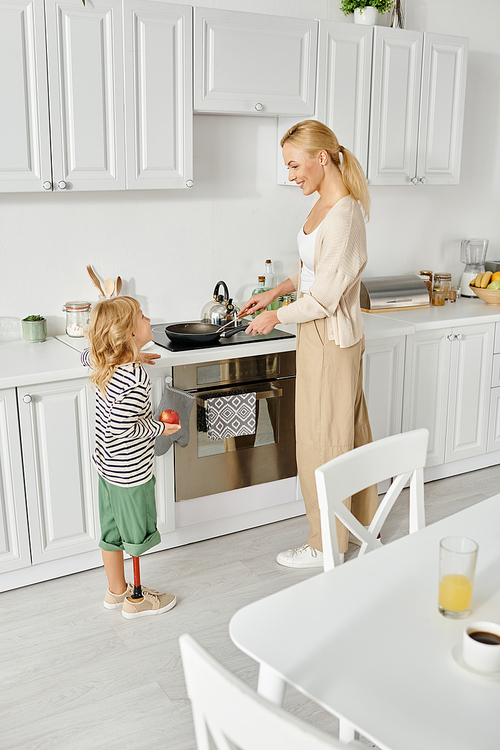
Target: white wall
x: 170, y: 247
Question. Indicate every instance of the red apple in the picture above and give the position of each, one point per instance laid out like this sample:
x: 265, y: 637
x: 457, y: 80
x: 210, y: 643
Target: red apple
x: 169, y: 416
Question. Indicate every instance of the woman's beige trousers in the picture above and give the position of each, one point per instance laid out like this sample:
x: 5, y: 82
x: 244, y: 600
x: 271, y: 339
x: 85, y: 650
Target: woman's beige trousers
x: 331, y: 418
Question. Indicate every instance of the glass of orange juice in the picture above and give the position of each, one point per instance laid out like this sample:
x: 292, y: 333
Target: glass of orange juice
x: 457, y: 564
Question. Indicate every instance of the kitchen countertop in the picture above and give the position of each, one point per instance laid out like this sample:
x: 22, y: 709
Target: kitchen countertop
x: 59, y: 358
x: 465, y: 311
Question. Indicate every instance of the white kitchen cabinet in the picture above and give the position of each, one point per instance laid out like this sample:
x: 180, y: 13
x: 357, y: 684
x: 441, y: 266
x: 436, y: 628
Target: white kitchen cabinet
x: 248, y: 63
x: 494, y: 423
x: 417, y: 107
x: 25, y: 163
x: 383, y: 376
x: 469, y: 395
x: 14, y: 539
x: 66, y: 123
x: 61, y: 493
x: 447, y: 389
x: 85, y: 70
x: 342, y: 89
x: 164, y: 465
x: 158, y: 94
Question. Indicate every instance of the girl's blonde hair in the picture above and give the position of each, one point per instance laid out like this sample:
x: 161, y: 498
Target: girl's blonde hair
x: 312, y: 137
x: 112, y: 323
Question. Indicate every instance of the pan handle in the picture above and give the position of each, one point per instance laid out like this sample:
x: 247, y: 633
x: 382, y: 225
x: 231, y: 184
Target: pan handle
x: 224, y: 286
x: 231, y: 331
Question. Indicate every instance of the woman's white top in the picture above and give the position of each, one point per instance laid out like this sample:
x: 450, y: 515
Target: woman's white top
x: 306, y: 244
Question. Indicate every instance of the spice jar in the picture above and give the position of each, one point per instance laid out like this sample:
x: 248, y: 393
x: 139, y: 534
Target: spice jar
x: 426, y: 276
x: 442, y: 280
x: 77, y: 316
x: 287, y: 300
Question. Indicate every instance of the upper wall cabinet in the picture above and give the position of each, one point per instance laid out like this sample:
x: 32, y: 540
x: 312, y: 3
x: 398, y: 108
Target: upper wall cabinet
x: 24, y: 111
x: 85, y: 69
x: 247, y: 63
x: 158, y: 94
x: 342, y: 88
x: 108, y: 130
x: 418, y: 99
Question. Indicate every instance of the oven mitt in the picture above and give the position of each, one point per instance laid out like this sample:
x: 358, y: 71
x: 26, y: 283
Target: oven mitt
x: 182, y: 402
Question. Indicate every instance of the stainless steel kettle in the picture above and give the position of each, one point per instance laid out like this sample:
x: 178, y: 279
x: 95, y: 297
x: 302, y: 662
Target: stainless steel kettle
x: 220, y: 309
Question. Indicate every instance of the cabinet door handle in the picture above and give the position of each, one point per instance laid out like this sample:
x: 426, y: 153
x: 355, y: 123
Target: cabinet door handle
x: 27, y: 398
x: 259, y: 107
x: 458, y: 336
x: 414, y: 180
x: 189, y: 183
x: 61, y: 185
x: 450, y: 337
x: 423, y: 180
x: 47, y: 185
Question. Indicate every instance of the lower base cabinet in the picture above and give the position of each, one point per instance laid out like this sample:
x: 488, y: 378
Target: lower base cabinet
x: 60, y: 481
x: 383, y: 375
x: 14, y: 539
x: 447, y: 389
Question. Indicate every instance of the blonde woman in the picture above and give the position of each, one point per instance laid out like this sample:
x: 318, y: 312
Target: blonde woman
x: 124, y: 453
x: 331, y: 414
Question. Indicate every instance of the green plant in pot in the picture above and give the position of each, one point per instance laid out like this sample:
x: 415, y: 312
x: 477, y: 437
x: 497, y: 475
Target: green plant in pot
x: 34, y: 329
x: 365, y: 10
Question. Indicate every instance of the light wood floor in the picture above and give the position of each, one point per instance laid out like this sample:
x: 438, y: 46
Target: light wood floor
x: 75, y: 676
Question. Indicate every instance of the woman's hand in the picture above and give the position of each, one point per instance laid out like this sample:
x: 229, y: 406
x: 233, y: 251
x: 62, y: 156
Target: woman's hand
x: 170, y: 429
x: 257, y: 302
x: 263, y: 323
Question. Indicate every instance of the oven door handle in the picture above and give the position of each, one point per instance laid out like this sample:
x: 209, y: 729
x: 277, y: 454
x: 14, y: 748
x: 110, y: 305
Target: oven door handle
x: 274, y: 393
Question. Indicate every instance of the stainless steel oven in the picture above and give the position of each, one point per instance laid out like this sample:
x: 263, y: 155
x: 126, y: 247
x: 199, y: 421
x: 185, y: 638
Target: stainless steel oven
x: 206, y: 467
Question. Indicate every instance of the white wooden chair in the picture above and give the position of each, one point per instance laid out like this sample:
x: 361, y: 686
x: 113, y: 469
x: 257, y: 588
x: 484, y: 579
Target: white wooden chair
x: 400, y: 456
x: 229, y: 715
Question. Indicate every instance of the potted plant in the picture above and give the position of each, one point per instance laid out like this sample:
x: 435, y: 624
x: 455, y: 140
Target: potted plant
x: 365, y: 11
x: 34, y: 329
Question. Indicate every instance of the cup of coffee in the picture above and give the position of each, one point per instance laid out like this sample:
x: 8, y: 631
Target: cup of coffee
x: 481, y: 646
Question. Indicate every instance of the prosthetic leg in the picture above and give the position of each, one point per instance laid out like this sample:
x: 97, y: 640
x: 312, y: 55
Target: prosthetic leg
x: 137, y: 579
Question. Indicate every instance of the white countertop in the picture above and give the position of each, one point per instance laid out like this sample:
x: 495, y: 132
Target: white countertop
x: 465, y: 311
x: 59, y: 358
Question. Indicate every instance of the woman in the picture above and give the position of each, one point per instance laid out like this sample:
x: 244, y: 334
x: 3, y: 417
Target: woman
x: 331, y: 414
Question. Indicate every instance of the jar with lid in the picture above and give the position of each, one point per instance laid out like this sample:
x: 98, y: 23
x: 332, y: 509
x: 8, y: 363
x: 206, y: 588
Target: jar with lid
x: 442, y: 281
x: 426, y: 276
x: 287, y: 300
x: 77, y: 316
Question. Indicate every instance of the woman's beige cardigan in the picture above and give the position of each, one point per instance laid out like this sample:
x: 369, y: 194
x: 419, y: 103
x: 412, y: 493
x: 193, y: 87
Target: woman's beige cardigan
x: 339, y: 259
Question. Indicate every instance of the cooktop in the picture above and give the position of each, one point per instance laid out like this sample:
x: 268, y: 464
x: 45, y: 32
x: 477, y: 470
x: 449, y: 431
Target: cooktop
x: 161, y: 338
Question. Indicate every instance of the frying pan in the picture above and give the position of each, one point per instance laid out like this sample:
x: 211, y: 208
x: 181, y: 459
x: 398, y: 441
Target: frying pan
x: 198, y: 333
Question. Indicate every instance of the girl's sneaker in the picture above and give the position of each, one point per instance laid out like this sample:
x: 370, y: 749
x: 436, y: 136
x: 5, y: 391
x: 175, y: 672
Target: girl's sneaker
x: 114, y: 601
x: 151, y: 603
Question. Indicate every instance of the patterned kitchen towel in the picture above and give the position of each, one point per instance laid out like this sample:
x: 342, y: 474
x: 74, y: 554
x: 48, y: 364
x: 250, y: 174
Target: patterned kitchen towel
x: 231, y: 416
x: 182, y: 402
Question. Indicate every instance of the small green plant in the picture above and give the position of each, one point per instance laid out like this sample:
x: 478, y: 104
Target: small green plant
x: 349, y: 6
x: 32, y: 318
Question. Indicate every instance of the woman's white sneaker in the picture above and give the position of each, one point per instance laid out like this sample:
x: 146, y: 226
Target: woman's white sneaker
x: 302, y: 557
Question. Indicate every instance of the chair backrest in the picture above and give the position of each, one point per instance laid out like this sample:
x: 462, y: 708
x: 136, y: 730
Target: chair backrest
x: 399, y: 457
x: 229, y: 715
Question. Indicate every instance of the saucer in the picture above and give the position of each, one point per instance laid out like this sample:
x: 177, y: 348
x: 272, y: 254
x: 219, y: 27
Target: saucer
x: 457, y: 655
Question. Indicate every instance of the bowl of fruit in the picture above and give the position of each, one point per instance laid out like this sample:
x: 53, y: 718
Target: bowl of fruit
x: 487, y: 287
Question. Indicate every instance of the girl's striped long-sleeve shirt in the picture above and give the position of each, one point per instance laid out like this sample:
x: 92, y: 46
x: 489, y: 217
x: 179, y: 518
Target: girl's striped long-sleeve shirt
x: 125, y: 429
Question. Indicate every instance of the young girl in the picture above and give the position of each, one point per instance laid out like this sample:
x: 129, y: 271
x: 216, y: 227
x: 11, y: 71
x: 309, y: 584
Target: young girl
x: 125, y: 435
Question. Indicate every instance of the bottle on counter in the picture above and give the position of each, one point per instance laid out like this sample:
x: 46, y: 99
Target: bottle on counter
x: 270, y: 282
x: 261, y: 287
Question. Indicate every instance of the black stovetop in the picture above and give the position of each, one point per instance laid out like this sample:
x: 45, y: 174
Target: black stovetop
x: 161, y: 338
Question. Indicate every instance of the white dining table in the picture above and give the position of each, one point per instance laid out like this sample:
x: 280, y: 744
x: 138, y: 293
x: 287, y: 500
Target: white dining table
x: 366, y: 641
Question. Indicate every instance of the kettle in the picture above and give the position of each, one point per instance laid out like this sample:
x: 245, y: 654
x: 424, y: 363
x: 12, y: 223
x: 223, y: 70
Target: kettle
x: 220, y: 309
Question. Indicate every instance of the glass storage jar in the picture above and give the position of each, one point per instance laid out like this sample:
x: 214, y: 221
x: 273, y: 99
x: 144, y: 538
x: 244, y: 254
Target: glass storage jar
x: 77, y: 316
x: 442, y: 281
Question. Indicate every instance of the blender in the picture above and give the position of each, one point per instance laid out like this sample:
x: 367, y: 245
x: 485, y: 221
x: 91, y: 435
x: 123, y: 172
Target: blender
x: 473, y: 254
